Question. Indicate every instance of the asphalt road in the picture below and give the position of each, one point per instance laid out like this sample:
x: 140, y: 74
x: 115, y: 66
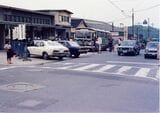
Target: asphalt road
x: 96, y: 83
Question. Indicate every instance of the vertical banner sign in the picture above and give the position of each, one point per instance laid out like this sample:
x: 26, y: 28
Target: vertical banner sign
x: 23, y: 31
x: 19, y: 32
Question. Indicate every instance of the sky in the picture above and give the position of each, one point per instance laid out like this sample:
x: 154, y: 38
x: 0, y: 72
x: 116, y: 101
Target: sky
x: 117, y: 11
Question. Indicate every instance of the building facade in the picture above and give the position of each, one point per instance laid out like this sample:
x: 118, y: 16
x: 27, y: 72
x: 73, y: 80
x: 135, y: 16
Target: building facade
x: 17, y: 23
x: 37, y: 25
x: 62, y: 22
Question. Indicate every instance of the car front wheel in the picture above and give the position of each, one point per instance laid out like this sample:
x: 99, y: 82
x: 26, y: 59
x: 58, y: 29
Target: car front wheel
x: 145, y: 56
x: 76, y: 55
x: 60, y: 58
x: 45, y: 56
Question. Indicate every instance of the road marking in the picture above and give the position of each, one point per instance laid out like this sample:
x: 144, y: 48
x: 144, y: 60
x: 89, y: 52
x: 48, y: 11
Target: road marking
x: 67, y: 63
x: 6, y: 68
x: 154, y: 64
x: 123, y: 69
x: 142, y: 72
x: 87, y: 67
x: 70, y: 66
x: 104, y: 68
x: 158, y: 73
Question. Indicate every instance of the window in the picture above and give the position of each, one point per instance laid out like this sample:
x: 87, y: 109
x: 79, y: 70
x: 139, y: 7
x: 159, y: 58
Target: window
x: 60, y: 18
x: 63, y: 18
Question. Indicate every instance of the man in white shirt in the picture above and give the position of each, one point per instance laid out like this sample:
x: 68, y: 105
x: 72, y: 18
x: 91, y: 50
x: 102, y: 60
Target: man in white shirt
x: 99, y: 43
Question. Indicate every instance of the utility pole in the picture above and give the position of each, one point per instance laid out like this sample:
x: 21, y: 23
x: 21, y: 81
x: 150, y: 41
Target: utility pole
x: 133, y: 22
x: 112, y: 26
x: 148, y: 29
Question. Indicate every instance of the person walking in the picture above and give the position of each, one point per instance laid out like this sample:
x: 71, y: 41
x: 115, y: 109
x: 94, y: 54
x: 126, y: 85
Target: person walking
x: 9, y: 51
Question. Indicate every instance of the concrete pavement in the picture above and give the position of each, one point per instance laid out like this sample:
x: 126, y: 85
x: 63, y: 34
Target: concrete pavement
x: 33, y: 60
x: 19, y: 62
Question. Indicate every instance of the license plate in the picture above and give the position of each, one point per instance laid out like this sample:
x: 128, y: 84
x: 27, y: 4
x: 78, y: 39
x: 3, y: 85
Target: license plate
x: 153, y: 53
x: 124, y: 51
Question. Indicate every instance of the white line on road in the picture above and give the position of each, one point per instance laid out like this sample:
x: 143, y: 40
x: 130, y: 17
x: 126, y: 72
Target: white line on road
x: 104, y: 68
x: 158, y: 73
x: 154, y: 64
x: 142, y: 72
x: 123, y: 69
x: 6, y: 68
x: 87, y: 67
x: 70, y: 66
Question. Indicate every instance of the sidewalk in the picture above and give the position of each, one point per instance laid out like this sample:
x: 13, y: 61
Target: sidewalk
x: 19, y: 62
x: 34, y: 61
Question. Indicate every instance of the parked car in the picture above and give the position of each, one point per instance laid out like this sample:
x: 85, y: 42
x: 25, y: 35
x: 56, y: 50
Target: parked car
x: 151, y: 49
x: 158, y: 52
x: 48, y: 49
x: 129, y: 47
x: 74, y: 48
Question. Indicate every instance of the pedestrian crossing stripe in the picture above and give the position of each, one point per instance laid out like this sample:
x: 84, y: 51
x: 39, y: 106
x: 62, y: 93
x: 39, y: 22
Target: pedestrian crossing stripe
x: 143, y: 72
x: 86, y: 67
x: 101, y: 68
x: 104, y: 68
x: 123, y: 69
x: 158, y: 73
x: 69, y: 66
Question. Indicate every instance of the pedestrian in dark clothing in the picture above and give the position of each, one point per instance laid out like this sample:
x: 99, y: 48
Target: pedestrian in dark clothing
x: 110, y: 44
x: 10, y: 52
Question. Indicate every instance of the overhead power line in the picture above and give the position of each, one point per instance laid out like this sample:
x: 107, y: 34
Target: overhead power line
x: 146, y: 9
x: 122, y: 11
x: 120, y: 19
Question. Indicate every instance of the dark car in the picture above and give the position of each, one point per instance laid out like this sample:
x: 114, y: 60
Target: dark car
x: 74, y: 48
x: 151, y: 49
x: 129, y: 47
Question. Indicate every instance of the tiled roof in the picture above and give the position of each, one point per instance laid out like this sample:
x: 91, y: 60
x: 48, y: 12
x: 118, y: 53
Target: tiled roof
x: 100, y: 25
x: 75, y: 22
x: 24, y: 10
x: 58, y: 10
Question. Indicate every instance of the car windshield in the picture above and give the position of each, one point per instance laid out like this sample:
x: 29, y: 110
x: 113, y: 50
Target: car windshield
x: 52, y: 43
x: 72, y: 43
x: 152, y: 45
x: 128, y: 43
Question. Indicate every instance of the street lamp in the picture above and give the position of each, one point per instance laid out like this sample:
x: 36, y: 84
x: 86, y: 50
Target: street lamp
x: 147, y: 22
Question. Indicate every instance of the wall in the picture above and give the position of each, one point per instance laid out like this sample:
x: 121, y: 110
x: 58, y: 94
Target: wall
x: 2, y: 36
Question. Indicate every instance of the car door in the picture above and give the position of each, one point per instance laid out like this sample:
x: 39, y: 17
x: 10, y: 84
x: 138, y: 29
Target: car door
x: 40, y: 48
x: 33, y: 49
x: 36, y: 48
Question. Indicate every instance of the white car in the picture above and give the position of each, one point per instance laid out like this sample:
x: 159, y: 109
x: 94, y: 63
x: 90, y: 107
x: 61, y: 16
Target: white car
x: 151, y: 49
x: 48, y: 49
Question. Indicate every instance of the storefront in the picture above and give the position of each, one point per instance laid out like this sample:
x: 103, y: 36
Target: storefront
x: 35, y: 25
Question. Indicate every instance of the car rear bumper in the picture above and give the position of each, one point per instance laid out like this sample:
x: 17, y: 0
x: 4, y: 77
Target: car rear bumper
x: 125, y: 51
x: 60, y: 54
x: 151, y: 54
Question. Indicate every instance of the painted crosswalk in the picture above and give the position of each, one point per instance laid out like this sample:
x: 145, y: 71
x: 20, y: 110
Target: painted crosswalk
x: 143, y: 72
x: 111, y: 69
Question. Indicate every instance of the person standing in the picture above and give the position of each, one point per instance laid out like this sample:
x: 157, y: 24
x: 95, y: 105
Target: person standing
x: 119, y: 41
x: 110, y: 44
x: 99, y: 43
x: 9, y: 52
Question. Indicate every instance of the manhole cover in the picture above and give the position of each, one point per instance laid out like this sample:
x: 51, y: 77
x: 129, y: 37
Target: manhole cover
x: 20, y: 87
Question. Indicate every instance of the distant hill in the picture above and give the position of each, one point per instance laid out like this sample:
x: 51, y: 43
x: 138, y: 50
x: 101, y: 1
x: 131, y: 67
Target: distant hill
x: 143, y: 30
